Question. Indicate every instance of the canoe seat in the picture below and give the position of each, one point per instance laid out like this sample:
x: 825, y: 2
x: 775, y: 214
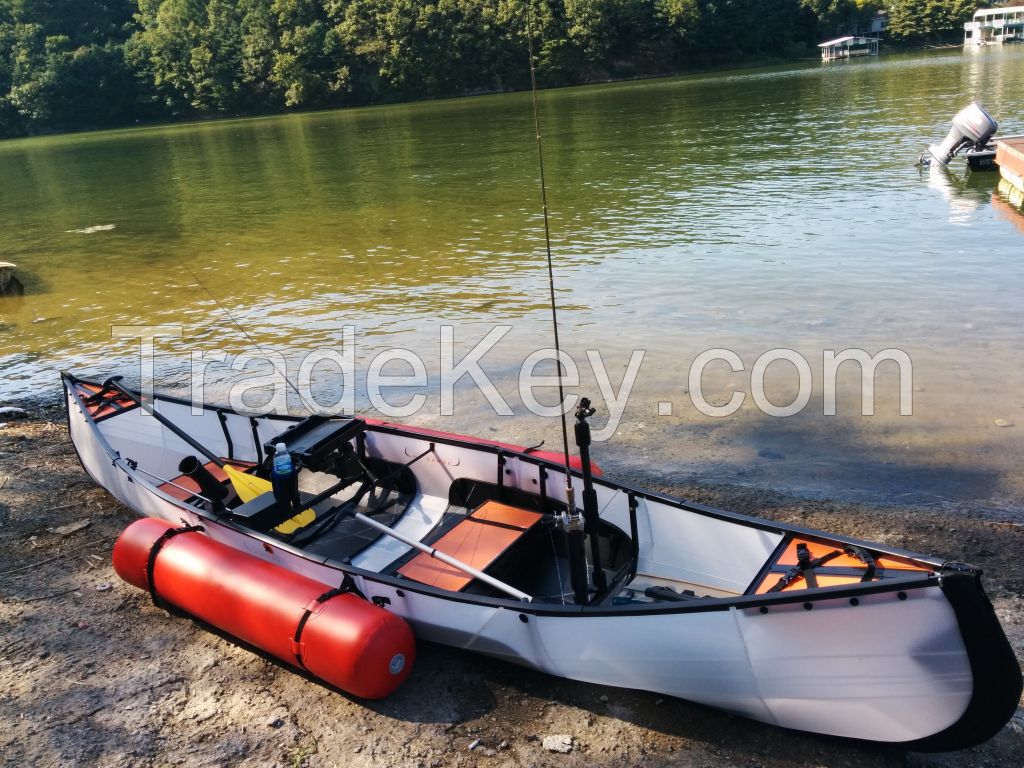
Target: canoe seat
x: 479, y: 540
x: 187, y: 482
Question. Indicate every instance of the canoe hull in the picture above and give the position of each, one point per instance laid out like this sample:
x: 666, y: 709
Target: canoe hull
x: 919, y: 662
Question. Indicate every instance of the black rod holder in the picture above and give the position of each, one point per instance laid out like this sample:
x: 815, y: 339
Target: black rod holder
x: 210, y: 486
x: 590, y: 511
x: 575, y: 542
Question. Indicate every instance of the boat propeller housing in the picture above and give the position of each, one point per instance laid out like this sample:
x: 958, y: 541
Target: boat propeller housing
x: 972, y: 127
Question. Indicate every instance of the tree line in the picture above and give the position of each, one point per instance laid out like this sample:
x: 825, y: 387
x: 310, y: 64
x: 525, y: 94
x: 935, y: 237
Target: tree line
x: 80, y: 64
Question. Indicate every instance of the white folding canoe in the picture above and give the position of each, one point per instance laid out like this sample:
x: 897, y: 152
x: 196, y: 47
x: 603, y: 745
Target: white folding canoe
x: 782, y: 624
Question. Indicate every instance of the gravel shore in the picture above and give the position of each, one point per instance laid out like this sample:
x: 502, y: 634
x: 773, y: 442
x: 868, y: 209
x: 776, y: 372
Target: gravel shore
x: 91, y: 673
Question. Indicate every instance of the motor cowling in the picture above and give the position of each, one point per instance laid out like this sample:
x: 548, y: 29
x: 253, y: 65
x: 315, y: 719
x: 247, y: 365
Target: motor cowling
x: 972, y: 126
x: 337, y: 636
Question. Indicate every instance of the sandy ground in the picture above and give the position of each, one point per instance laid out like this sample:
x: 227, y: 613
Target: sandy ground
x: 91, y: 673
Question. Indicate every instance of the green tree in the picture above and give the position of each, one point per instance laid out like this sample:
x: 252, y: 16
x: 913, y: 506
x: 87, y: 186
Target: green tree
x: 920, y: 19
x: 82, y: 21
x: 413, y: 48
x: 63, y: 67
x: 679, y: 17
x: 207, y: 56
x: 11, y: 123
x: 259, y: 41
x: 68, y: 64
x: 624, y: 36
x: 161, y: 50
x: 829, y: 15
x: 309, y: 64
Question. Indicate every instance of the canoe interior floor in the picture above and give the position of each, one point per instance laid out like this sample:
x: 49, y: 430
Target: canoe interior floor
x: 349, y: 537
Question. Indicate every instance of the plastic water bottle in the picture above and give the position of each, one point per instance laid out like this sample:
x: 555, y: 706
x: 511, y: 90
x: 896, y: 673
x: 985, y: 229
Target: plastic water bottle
x: 283, y: 461
x: 283, y: 477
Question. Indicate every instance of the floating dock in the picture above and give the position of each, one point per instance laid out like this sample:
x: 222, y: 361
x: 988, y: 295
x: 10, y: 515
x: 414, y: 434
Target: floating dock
x: 1010, y: 158
x: 1008, y: 203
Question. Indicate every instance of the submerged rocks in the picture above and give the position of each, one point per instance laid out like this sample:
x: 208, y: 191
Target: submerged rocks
x: 9, y: 284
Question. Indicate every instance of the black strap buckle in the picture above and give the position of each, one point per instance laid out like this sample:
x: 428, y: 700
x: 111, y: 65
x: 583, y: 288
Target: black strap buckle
x: 804, y: 568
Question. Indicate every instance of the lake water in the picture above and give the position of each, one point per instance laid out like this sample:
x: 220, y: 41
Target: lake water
x: 749, y: 210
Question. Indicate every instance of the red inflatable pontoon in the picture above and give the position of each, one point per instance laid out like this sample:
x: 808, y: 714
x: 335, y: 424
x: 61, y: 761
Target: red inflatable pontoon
x: 337, y: 636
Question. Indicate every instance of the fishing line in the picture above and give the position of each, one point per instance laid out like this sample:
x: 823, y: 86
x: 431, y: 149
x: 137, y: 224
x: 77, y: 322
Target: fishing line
x: 239, y: 326
x: 558, y: 568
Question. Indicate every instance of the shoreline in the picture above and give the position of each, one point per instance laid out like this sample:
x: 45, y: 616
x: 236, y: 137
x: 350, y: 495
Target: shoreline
x: 746, y: 63
x: 97, y: 676
x: 685, y: 457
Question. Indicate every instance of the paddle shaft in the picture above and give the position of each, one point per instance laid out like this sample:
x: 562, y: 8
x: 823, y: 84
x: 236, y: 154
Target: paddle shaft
x: 448, y: 559
x: 114, y: 383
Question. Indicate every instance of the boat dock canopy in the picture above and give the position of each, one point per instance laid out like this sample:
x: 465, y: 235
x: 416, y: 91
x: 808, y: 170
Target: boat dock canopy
x: 845, y: 47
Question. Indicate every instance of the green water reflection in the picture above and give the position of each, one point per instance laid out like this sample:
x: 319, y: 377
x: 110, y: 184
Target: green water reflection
x: 753, y: 210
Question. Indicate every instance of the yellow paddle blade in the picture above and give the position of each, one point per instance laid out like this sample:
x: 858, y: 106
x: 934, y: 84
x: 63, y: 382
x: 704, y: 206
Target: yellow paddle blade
x: 301, y: 520
x: 248, y: 487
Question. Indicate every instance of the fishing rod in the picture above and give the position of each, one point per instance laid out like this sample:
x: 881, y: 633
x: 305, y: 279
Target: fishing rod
x: 572, y: 522
x: 547, y: 244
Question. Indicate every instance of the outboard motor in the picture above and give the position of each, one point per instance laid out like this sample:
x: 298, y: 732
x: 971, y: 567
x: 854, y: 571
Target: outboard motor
x: 972, y: 128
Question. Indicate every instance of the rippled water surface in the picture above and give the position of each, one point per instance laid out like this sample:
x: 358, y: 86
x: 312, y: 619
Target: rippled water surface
x: 749, y: 210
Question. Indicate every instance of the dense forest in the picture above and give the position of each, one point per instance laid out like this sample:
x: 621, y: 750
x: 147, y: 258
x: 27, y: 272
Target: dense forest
x: 78, y: 64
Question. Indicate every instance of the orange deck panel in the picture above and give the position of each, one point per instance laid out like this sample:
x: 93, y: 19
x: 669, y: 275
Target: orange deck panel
x: 477, y: 541
x: 818, y: 550
x: 112, y: 402
x: 824, y: 578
